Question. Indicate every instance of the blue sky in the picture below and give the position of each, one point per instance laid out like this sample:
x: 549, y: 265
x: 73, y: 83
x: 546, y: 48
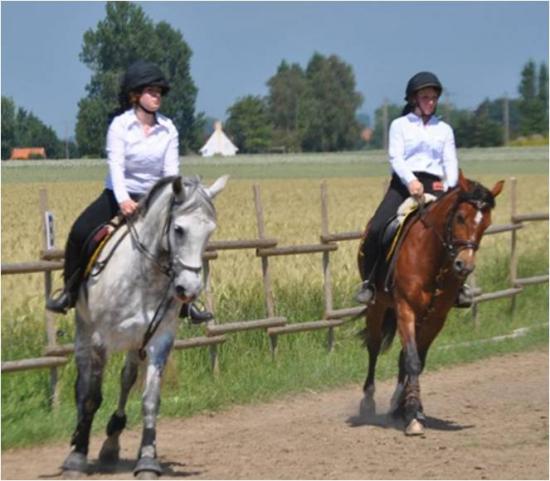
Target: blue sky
x: 476, y: 48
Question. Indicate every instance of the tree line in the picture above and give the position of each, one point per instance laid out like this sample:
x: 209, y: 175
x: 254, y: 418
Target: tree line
x: 311, y: 109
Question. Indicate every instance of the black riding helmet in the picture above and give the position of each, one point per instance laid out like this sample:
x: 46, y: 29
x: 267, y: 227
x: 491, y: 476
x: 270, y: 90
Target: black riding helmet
x: 141, y: 74
x: 420, y: 81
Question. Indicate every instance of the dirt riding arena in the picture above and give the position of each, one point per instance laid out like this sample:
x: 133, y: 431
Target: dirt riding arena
x: 487, y: 420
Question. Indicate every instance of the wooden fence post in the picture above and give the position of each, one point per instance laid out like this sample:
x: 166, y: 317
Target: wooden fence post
x: 268, y: 289
x: 49, y: 318
x: 213, y: 349
x: 513, y: 241
x: 327, y: 280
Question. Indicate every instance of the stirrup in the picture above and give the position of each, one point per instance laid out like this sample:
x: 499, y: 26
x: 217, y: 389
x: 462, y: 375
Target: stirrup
x: 465, y: 298
x: 190, y: 311
x: 365, y: 295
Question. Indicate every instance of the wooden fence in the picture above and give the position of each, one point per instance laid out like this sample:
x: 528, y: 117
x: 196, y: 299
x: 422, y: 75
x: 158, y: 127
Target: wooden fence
x: 55, y: 355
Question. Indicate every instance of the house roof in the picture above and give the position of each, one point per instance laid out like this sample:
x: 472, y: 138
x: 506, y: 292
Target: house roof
x: 24, y: 153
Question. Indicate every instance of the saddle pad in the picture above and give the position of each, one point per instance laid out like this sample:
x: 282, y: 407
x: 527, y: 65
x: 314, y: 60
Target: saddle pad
x: 97, y: 241
x: 395, y: 227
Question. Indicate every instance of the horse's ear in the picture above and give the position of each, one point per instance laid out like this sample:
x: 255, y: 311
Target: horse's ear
x: 217, y: 186
x: 497, y: 188
x: 176, y: 185
x: 462, y: 181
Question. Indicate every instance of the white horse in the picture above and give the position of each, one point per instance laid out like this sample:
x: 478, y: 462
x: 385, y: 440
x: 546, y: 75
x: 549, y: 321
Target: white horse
x: 131, y: 303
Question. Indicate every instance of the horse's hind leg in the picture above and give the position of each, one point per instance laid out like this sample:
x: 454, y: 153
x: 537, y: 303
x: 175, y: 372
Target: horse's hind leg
x: 110, y: 450
x: 90, y: 362
x: 397, y: 399
x: 373, y: 340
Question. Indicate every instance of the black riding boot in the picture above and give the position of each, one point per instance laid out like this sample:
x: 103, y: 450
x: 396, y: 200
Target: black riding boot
x: 67, y: 298
x: 195, y: 314
x: 365, y: 294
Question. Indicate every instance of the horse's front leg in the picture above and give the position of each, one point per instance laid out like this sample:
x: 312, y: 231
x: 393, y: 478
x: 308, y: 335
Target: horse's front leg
x: 158, y: 350
x: 412, y: 367
x: 90, y: 361
x: 110, y: 450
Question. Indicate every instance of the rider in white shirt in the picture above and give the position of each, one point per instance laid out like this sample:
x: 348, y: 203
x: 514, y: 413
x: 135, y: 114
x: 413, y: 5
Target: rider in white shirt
x: 423, y: 159
x: 142, y: 147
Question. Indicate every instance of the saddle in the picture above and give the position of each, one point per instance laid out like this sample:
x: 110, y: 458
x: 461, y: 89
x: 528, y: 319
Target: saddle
x: 96, y: 242
x: 393, y: 234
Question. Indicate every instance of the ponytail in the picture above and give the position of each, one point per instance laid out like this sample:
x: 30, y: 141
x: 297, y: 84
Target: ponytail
x: 407, y: 109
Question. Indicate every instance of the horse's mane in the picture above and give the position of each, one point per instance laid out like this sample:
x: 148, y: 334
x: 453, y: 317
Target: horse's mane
x: 478, y: 193
x: 191, y: 200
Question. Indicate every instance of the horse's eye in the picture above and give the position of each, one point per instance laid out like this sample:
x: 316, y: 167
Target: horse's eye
x: 179, y: 230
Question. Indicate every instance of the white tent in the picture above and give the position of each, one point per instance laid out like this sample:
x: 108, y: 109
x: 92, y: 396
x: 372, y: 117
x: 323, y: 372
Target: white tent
x: 218, y: 143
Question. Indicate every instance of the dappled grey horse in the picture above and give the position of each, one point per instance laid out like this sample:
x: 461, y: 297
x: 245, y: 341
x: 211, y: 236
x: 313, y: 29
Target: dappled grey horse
x: 148, y: 268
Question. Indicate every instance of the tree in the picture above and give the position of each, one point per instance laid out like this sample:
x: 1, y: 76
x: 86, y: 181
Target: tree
x: 23, y: 129
x: 8, y: 126
x: 332, y: 101
x: 393, y: 111
x: 32, y: 132
x: 248, y: 124
x: 543, y: 97
x: 533, y: 104
x: 285, y: 103
x: 125, y: 35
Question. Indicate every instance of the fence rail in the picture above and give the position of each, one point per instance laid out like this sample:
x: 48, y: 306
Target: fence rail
x: 266, y: 247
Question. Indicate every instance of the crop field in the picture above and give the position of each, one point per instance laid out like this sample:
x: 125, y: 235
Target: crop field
x: 290, y: 192
x: 291, y: 210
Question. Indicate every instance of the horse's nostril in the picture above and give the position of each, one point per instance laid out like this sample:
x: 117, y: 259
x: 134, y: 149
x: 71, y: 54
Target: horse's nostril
x: 180, y: 290
x: 459, y: 265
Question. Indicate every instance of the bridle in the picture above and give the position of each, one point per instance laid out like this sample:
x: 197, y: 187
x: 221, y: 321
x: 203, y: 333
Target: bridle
x: 166, y: 268
x: 451, y: 245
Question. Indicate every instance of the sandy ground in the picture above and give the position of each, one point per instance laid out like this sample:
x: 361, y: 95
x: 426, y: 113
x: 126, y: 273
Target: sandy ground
x: 487, y: 420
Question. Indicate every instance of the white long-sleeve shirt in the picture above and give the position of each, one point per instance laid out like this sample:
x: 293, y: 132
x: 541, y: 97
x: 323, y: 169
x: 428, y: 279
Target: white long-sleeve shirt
x: 418, y: 147
x: 136, y: 161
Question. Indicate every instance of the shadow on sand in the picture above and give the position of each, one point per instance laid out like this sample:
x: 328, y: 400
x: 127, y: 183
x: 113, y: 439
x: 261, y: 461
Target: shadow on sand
x: 368, y: 416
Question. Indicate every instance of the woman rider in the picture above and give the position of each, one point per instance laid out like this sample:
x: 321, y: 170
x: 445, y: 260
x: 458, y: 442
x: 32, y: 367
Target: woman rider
x: 423, y: 159
x: 142, y: 147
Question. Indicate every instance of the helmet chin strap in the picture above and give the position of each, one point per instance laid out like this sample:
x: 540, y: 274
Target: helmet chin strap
x: 147, y: 111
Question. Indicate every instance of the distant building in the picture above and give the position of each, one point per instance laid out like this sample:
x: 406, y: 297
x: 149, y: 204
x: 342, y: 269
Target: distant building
x: 218, y: 144
x: 26, y: 153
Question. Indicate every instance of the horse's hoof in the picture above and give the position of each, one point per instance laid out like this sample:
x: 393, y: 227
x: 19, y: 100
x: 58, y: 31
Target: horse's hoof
x: 414, y: 428
x: 367, y: 407
x: 110, y: 451
x: 75, y: 462
x: 147, y: 468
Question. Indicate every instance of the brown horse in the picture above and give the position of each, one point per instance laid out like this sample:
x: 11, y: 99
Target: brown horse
x: 436, y: 254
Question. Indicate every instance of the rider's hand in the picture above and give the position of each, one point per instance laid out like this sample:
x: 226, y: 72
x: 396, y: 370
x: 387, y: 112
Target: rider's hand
x: 416, y: 189
x: 128, y: 207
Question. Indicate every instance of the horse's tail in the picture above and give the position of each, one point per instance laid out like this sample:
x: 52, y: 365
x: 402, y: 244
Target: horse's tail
x: 389, y: 326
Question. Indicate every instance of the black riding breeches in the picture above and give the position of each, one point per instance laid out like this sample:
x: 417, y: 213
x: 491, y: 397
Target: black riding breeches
x: 396, y: 194
x: 99, y: 212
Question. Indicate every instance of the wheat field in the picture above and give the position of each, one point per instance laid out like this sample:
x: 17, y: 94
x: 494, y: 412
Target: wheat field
x: 292, y: 213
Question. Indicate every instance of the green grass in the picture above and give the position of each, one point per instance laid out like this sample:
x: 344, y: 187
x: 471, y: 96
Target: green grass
x: 371, y: 163
x: 247, y: 372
